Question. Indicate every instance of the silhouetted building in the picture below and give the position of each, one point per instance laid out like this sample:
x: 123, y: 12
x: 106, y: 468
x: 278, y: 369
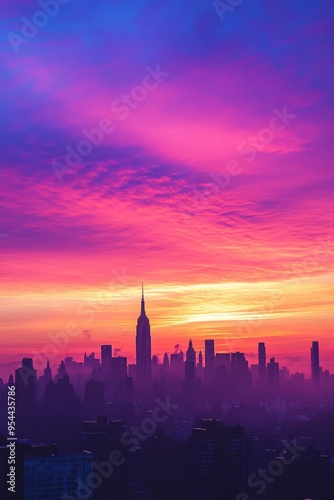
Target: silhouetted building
x: 273, y: 374
x: 166, y: 361
x: 315, y: 368
x: 48, y: 372
x: 118, y: 377
x: 200, y: 368
x: 94, y: 398
x: 224, y: 359
x: 26, y: 397
x: 102, y: 438
x: 262, y: 362
x: 241, y: 376
x: 190, y: 368
x: 306, y: 477
x: 106, y: 354
x: 44, y: 380
x: 221, y: 461
x: 159, y: 469
x: 209, y: 358
x: 61, y: 372
x: 90, y: 361
x: 143, y: 349
x: 176, y: 364
x: 61, y: 411
x: 200, y: 360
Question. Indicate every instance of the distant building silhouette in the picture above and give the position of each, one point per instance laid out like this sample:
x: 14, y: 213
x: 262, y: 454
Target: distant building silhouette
x: 190, y: 368
x: 26, y: 397
x: 90, y: 361
x: 102, y: 437
x: 209, y: 358
x: 224, y: 359
x: 273, y: 374
x: 176, y: 364
x: 44, y: 380
x: 143, y: 348
x: 61, y: 372
x: 262, y: 364
x: 61, y: 411
x: 241, y: 376
x: 94, y: 398
x: 106, y: 354
x: 315, y: 368
x: 200, y: 360
x: 118, y: 378
x: 166, y: 362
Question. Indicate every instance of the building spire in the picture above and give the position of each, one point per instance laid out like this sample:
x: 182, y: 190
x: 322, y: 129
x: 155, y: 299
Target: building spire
x: 142, y: 312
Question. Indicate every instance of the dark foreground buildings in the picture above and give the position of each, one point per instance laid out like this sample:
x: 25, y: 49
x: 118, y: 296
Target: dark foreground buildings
x: 44, y: 474
x: 177, y: 429
x: 221, y: 461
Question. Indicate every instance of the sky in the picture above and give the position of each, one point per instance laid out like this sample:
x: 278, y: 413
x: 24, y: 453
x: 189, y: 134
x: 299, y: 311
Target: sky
x: 184, y: 144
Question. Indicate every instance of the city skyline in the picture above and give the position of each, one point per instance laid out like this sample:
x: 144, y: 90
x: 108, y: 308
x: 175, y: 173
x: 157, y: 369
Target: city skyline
x: 167, y: 250
x: 144, y: 357
x: 173, y: 147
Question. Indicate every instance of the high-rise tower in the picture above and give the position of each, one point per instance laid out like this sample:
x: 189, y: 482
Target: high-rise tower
x: 190, y: 367
x: 106, y: 354
x: 273, y: 374
x: 262, y: 363
x: 143, y: 347
x: 315, y: 368
x: 209, y: 356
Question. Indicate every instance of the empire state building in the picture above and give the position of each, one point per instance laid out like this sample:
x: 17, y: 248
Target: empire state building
x: 143, y: 348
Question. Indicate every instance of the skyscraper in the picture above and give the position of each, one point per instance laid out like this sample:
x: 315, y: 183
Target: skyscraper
x: 106, y: 351
x: 166, y: 361
x: 200, y: 360
x: 220, y: 460
x: 241, y: 376
x: 315, y: 369
x: 26, y: 396
x: 262, y: 362
x: 209, y: 356
x: 190, y: 367
x: 224, y: 359
x: 273, y: 374
x: 143, y: 347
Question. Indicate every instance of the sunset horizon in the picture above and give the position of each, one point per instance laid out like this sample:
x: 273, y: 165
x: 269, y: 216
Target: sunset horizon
x: 167, y: 250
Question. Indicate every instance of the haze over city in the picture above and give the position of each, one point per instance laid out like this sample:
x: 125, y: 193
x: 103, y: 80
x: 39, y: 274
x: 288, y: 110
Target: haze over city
x: 158, y: 200
x: 166, y: 234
